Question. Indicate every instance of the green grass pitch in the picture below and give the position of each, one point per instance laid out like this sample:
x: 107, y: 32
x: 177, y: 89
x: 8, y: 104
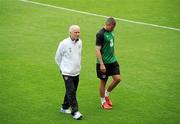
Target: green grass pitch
x: 31, y: 88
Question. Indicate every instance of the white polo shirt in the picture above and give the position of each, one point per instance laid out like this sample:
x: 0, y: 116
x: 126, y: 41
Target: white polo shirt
x: 68, y: 57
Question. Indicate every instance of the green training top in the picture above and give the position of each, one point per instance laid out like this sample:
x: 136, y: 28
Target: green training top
x: 105, y: 39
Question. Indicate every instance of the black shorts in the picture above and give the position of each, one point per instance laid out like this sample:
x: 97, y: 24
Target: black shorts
x: 111, y: 69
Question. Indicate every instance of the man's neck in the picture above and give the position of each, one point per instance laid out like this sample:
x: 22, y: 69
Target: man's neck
x: 73, y: 39
x: 105, y: 28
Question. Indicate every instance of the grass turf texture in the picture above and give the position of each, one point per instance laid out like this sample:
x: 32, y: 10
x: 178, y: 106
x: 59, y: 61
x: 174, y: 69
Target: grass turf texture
x: 32, y: 89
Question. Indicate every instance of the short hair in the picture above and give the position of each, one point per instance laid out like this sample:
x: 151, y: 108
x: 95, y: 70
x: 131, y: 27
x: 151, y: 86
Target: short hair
x: 110, y: 20
x: 72, y: 27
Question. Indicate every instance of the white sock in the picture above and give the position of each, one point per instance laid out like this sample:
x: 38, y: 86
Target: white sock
x: 102, y: 100
x: 107, y: 93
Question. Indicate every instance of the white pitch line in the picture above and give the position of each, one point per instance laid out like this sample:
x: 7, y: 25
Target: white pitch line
x: 97, y: 15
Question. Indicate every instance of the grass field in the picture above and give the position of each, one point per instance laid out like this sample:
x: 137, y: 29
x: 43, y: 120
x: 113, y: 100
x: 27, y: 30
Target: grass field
x: 31, y: 88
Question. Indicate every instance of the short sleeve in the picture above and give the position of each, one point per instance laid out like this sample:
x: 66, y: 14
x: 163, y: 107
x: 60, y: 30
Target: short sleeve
x: 99, y: 39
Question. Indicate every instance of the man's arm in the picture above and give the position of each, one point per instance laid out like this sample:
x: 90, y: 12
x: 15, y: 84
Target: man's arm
x: 58, y: 56
x: 99, y: 57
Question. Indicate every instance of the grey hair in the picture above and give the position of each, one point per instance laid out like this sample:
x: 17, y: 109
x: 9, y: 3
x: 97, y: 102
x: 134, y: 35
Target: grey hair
x: 72, y: 27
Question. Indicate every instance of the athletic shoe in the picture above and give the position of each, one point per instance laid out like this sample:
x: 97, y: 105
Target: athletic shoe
x: 66, y: 111
x: 105, y: 105
x: 77, y: 115
x: 108, y: 100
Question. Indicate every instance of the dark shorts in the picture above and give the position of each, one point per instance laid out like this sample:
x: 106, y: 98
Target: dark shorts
x: 111, y: 69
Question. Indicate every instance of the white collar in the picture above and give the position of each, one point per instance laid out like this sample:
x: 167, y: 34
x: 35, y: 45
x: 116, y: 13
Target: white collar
x: 73, y: 41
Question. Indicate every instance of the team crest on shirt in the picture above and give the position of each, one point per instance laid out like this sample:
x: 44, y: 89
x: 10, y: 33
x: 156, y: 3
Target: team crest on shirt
x: 70, y: 50
x: 79, y: 46
x: 111, y: 43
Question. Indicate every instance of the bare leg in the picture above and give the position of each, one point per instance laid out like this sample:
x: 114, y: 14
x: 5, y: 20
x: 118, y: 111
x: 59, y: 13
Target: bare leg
x: 114, y: 83
x: 102, y: 88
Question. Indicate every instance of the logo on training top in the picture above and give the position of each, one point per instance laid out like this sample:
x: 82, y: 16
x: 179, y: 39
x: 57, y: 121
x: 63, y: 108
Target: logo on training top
x: 111, y: 43
x: 70, y: 50
x: 79, y: 46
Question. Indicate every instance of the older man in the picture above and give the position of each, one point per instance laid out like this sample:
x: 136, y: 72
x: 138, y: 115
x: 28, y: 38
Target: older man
x: 68, y: 57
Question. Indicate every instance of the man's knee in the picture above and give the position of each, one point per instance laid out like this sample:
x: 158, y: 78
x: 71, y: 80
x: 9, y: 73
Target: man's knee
x: 117, y: 80
x: 71, y: 93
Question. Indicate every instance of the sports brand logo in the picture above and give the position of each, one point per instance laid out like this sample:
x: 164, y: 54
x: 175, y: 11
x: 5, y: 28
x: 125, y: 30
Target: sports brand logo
x: 65, y: 77
x: 103, y: 76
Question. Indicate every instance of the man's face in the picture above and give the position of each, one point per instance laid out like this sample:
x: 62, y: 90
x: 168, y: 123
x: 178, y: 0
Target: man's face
x: 110, y: 27
x: 75, y: 33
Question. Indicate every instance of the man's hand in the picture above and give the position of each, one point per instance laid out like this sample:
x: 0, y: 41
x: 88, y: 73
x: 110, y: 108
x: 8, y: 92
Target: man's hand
x: 102, y: 68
